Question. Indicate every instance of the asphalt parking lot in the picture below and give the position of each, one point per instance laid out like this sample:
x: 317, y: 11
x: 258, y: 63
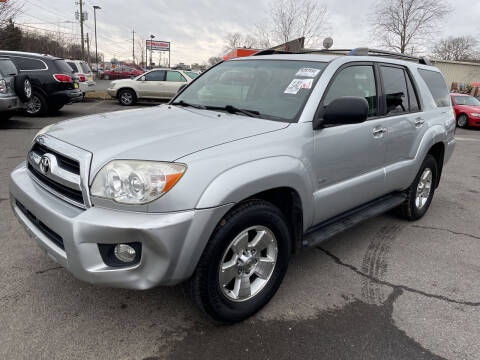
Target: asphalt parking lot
x: 387, y: 289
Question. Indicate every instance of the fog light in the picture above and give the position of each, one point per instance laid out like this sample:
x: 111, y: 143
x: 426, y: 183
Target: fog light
x: 125, y: 253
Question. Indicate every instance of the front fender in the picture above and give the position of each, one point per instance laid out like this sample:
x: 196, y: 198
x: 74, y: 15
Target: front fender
x: 247, y: 179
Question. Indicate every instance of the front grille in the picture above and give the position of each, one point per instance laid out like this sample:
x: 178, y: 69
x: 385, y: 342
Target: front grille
x: 63, y: 190
x: 64, y: 162
x: 49, y: 233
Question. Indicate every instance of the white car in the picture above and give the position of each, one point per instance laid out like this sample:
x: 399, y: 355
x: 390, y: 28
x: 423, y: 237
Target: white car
x: 83, y: 72
x: 157, y: 84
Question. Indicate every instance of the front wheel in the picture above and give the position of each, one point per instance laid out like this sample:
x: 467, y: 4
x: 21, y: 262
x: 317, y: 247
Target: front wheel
x: 127, y: 97
x: 462, y: 121
x: 420, y: 193
x: 243, y: 263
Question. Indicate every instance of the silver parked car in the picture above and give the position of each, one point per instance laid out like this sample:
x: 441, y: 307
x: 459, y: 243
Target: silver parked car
x: 15, y: 89
x: 256, y: 159
x: 157, y: 84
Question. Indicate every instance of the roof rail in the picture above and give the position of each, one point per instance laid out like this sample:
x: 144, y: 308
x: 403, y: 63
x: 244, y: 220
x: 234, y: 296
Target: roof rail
x: 360, y: 51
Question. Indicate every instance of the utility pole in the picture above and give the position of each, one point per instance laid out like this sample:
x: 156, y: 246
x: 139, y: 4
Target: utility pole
x: 133, y: 46
x: 88, y: 51
x: 95, y: 8
x: 151, y: 48
x: 81, y: 28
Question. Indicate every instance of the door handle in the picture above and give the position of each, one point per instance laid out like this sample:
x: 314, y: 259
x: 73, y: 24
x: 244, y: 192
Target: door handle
x: 419, y: 122
x: 378, y: 133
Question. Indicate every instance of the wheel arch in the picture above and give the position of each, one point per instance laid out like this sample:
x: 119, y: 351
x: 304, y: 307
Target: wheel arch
x: 127, y: 88
x: 438, y: 152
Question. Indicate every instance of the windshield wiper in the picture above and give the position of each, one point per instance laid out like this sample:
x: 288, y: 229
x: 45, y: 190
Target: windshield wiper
x: 232, y: 109
x: 183, y: 103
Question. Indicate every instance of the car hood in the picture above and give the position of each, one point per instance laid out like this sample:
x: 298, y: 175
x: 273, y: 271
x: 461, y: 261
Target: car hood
x: 162, y: 133
x: 469, y: 108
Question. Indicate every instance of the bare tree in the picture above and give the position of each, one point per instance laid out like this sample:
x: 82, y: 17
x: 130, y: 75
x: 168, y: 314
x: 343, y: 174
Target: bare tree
x: 456, y: 48
x: 9, y: 10
x: 237, y: 40
x: 405, y: 25
x: 290, y: 19
x: 214, y: 60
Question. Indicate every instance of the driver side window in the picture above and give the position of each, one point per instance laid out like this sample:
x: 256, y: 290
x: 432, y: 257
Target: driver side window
x: 358, y: 80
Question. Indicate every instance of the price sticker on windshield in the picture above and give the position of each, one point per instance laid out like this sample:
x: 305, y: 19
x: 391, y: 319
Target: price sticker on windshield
x: 297, y: 84
x: 308, y: 72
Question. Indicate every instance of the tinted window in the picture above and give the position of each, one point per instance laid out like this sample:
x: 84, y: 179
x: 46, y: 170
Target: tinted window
x: 175, y: 76
x: 395, y: 88
x: 28, y: 63
x: 7, y: 68
x: 355, y: 81
x: 62, y: 67
x: 155, y: 76
x: 437, y: 86
x: 73, y: 66
x: 412, y: 95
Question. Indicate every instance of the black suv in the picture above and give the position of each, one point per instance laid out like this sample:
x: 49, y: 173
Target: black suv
x: 53, y: 82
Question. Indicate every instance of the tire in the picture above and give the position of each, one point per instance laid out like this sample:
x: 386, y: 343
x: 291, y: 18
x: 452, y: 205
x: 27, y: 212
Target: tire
x: 6, y: 116
x: 37, y: 106
x: 462, y: 121
x: 23, y: 87
x: 416, y: 206
x: 127, y: 97
x: 211, y: 288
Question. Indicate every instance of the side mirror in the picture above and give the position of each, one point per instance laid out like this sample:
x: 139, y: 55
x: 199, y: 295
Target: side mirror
x: 344, y: 110
x: 181, y: 88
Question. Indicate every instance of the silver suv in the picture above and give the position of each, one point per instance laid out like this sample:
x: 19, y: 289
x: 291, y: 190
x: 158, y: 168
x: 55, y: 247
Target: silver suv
x: 15, y: 89
x: 256, y: 159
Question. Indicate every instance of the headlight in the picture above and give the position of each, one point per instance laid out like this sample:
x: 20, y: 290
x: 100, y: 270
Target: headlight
x: 3, y: 87
x: 43, y: 131
x: 136, y: 182
x: 475, y: 114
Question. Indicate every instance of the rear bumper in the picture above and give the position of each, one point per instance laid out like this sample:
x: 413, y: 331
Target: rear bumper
x: 172, y: 243
x: 67, y: 96
x: 10, y: 103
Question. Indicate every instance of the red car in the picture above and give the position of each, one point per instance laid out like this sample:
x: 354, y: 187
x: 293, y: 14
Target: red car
x: 121, y: 72
x: 467, y: 110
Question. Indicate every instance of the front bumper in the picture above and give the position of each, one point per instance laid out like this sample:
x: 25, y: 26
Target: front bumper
x: 112, y: 92
x: 473, y: 121
x: 172, y: 243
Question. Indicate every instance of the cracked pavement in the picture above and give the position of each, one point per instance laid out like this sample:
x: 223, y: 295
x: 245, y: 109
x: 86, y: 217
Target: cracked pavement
x: 386, y: 289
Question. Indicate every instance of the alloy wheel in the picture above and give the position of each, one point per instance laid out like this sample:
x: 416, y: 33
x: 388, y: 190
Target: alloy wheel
x: 34, y: 105
x: 424, y: 188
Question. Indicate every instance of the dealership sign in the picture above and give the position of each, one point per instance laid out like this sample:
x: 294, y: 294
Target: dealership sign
x: 158, y: 45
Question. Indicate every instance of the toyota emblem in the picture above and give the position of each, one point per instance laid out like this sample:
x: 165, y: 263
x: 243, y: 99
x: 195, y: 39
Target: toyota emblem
x: 44, y: 164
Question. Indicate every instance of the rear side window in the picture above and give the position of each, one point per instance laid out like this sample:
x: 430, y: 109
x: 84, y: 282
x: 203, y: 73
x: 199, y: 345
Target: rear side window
x: 85, y: 67
x: 28, y: 64
x: 356, y: 80
x: 175, y: 76
x: 73, y: 66
x: 155, y: 76
x: 7, y: 68
x: 63, y: 67
x: 395, y: 88
x: 436, y: 85
x: 412, y: 95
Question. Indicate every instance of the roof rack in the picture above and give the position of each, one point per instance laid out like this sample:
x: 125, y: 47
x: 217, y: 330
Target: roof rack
x: 361, y: 51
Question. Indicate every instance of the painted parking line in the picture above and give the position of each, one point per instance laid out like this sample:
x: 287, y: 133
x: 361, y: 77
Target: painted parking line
x: 461, y: 138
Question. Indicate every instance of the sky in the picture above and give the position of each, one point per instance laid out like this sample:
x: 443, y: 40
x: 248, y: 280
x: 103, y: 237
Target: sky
x: 197, y: 28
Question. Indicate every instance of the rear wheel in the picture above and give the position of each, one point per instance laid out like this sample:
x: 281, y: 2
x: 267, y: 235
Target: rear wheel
x: 462, y: 121
x: 23, y: 87
x: 37, y: 106
x: 127, y: 97
x: 420, y: 193
x: 243, y: 263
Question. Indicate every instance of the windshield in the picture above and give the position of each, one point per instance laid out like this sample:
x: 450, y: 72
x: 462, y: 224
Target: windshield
x: 275, y: 89
x: 466, y: 100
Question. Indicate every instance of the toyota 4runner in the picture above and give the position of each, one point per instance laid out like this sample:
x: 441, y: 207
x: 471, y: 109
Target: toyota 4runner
x: 254, y: 160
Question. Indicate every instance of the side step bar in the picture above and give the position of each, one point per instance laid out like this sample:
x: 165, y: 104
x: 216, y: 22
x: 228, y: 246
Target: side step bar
x: 324, y: 231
